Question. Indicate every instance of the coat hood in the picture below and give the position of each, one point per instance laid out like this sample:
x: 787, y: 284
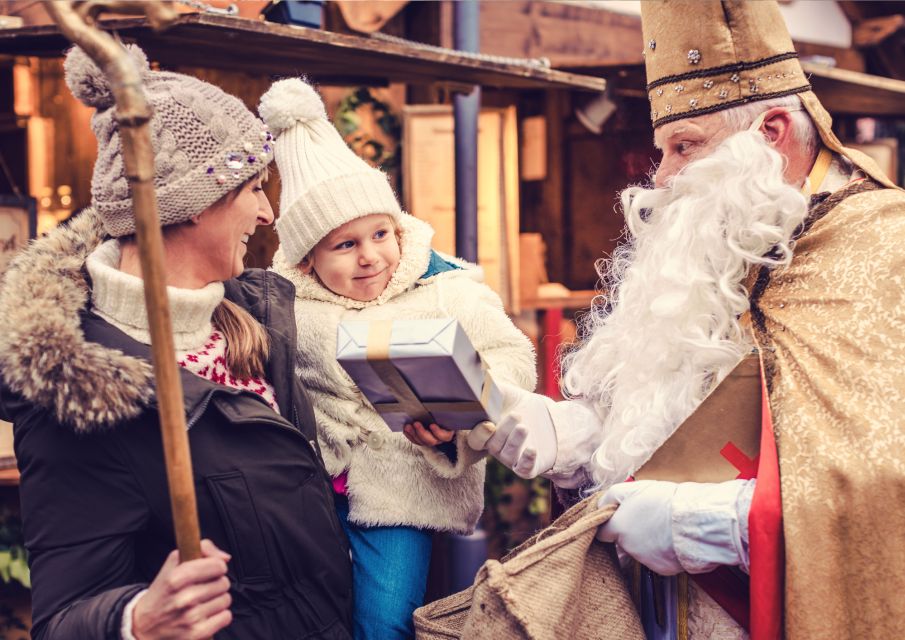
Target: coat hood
x: 44, y: 354
x: 415, y: 248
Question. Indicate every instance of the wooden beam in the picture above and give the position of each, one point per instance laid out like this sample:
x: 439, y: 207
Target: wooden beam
x: 9, y: 477
x: 882, y: 40
x: 853, y: 10
x: 842, y: 91
x: 569, y: 35
x: 206, y: 40
x: 849, y: 92
x: 850, y: 58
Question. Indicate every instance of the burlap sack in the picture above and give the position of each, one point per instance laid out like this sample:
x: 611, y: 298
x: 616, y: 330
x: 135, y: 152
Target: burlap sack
x: 560, y: 584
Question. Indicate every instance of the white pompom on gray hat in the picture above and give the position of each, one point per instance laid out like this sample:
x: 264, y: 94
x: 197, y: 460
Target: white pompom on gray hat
x: 206, y: 142
x: 324, y: 184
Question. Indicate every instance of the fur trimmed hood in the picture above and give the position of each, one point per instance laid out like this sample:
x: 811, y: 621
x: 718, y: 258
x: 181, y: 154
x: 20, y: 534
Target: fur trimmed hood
x: 44, y: 354
x: 415, y: 248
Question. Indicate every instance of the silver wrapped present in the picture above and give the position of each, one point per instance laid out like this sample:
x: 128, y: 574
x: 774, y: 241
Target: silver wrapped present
x: 419, y: 370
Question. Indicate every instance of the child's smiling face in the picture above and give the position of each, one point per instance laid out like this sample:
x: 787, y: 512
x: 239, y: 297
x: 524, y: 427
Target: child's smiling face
x: 357, y: 259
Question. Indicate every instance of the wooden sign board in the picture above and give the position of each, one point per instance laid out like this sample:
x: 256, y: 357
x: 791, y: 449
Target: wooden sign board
x: 534, y: 148
x: 429, y: 187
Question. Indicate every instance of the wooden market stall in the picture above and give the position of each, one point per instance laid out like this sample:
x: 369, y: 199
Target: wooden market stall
x: 49, y: 150
x: 554, y: 151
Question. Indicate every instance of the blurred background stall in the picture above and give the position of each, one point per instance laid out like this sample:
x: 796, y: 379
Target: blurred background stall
x: 552, y: 107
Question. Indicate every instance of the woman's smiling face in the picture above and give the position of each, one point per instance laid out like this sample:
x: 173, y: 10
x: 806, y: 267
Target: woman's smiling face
x: 222, y: 231
x: 358, y: 259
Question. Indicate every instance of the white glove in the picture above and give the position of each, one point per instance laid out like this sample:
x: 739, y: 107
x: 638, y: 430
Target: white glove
x: 670, y: 528
x: 524, y: 439
x: 537, y: 436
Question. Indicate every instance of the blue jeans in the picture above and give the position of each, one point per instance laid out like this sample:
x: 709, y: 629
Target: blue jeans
x: 389, y: 576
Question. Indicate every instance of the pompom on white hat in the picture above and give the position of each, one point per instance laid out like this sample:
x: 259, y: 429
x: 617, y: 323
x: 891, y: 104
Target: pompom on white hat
x: 324, y: 184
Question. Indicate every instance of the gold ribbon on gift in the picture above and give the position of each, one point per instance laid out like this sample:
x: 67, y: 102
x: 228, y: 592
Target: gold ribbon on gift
x: 407, y: 401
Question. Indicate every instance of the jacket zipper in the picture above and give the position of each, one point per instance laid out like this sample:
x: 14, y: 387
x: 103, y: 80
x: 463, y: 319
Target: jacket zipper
x: 298, y: 426
x: 200, y: 409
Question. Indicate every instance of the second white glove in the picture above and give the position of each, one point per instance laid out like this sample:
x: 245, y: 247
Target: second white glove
x: 642, y: 525
x: 670, y: 527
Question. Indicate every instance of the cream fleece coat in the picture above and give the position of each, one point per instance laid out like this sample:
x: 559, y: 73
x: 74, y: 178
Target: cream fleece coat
x: 390, y: 480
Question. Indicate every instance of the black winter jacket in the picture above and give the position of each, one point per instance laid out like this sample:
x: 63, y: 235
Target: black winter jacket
x: 93, y: 490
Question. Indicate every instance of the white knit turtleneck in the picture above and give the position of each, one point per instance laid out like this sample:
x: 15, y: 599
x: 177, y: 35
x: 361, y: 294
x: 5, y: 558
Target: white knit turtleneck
x: 120, y: 300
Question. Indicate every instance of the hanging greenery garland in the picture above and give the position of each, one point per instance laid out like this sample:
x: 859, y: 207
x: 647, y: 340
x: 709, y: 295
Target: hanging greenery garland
x: 13, y: 560
x: 348, y: 122
x: 14, y: 575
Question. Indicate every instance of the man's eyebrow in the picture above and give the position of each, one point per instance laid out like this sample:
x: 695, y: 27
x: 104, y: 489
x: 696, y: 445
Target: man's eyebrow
x: 675, y: 132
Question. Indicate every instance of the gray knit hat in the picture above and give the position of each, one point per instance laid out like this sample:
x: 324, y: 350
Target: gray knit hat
x: 323, y: 183
x: 206, y: 142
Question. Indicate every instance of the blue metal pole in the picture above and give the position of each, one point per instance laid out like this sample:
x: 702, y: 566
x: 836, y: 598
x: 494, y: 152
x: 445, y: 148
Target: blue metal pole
x: 466, y: 109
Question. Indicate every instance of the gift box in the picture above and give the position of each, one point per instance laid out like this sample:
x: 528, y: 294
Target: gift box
x: 419, y: 370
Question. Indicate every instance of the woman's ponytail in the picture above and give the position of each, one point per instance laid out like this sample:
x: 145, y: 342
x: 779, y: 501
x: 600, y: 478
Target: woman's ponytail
x: 247, y: 343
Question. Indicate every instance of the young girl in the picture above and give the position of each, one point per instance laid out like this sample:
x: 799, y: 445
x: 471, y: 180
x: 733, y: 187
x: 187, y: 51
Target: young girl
x: 354, y: 255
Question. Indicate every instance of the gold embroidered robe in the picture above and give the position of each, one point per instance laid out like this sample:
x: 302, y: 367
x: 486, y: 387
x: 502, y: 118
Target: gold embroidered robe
x: 832, y: 330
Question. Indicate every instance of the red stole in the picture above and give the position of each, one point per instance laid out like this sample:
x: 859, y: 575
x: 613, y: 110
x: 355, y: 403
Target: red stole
x: 765, y: 539
x: 756, y: 604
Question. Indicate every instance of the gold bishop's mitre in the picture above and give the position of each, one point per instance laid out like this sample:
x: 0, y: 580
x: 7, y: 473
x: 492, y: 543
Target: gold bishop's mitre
x: 704, y: 56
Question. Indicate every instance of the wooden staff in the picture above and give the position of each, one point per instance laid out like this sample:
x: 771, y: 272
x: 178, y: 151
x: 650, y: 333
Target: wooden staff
x: 133, y: 114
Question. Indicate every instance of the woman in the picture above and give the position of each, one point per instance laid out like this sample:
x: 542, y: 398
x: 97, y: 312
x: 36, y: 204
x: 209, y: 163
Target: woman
x: 76, y: 381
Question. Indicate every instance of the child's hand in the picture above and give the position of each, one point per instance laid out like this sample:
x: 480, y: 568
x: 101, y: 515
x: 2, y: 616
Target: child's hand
x: 417, y: 434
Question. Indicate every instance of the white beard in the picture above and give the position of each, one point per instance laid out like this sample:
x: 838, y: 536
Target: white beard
x: 670, y: 330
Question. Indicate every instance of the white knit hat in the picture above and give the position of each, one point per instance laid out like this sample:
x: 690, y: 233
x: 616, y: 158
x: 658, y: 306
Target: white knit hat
x: 324, y: 184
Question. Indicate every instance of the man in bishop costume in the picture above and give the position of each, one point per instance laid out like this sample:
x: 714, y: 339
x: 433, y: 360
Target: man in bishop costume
x: 763, y: 234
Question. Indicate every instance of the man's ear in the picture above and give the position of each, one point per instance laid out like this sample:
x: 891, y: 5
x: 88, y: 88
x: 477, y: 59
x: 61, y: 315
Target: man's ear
x: 777, y: 127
